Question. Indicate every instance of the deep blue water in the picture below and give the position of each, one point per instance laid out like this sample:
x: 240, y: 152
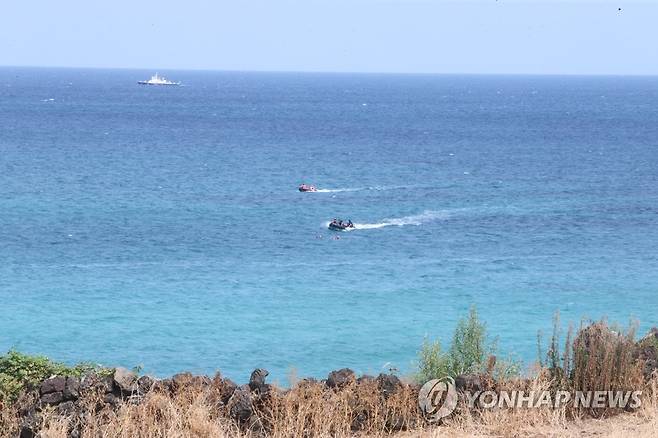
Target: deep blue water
x: 162, y: 226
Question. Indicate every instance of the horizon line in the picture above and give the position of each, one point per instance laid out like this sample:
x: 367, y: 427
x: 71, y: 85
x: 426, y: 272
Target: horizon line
x: 355, y: 72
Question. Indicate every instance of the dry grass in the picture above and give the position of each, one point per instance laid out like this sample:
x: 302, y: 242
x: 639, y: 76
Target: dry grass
x: 8, y: 420
x: 160, y: 416
x: 549, y: 422
x: 312, y: 410
x: 605, y: 359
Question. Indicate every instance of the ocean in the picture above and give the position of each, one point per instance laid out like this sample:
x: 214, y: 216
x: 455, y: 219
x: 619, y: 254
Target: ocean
x: 162, y: 226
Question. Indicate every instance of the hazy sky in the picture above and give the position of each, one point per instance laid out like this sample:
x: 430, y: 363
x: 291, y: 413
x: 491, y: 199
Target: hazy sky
x: 458, y: 36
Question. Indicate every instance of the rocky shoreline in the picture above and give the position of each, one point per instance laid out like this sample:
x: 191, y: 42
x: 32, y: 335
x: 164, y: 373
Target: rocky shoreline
x: 69, y: 397
x: 109, y: 402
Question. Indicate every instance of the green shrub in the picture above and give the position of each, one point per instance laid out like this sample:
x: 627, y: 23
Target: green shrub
x: 557, y: 360
x: 469, y: 349
x: 432, y: 363
x: 469, y: 352
x: 19, y: 371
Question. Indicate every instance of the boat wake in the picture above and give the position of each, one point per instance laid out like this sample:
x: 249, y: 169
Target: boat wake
x: 416, y: 219
x: 358, y: 189
x: 339, y: 190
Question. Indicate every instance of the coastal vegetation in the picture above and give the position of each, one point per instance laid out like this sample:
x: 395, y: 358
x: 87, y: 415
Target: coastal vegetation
x: 48, y: 399
x: 471, y: 351
x: 19, y: 372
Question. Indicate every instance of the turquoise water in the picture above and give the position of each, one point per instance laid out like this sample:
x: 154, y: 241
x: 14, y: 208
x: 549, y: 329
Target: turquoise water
x: 162, y: 226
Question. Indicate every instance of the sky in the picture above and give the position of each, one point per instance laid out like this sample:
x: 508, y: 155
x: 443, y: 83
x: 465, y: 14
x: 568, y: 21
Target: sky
x: 400, y: 36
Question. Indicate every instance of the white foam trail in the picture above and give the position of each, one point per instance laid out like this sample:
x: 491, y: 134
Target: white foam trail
x: 358, y: 189
x: 340, y: 190
x: 369, y: 226
x: 416, y: 219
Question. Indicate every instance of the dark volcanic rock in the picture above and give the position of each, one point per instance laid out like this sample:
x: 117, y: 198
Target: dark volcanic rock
x: 27, y: 432
x: 255, y: 426
x: 66, y: 408
x: 181, y: 380
x: 30, y: 424
x: 164, y: 385
x: 649, y: 355
x: 468, y: 383
x: 240, y: 404
x: 365, y: 379
x: 309, y: 381
x: 647, y: 351
x: 395, y: 422
x: 227, y: 390
x: 52, y: 398
x: 111, y: 399
x: 145, y: 383
x: 125, y: 380
x: 257, y: 380
x: 340, y: 378
x: 54, y: 384
x: 184, y: 381
x: 388, y: 384
x: 202, y: 381
x: 94, y: 382
x: 72, y: 388
x: 359, y: 420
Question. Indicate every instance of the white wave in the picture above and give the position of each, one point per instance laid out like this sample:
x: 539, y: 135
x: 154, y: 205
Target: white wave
x: 416, y: 219
x: 358, y: 226
x: 358, y: 189
x: 341, y: 190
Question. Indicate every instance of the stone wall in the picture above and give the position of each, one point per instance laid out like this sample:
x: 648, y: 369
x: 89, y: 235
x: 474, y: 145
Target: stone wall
x: 70, y: 396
